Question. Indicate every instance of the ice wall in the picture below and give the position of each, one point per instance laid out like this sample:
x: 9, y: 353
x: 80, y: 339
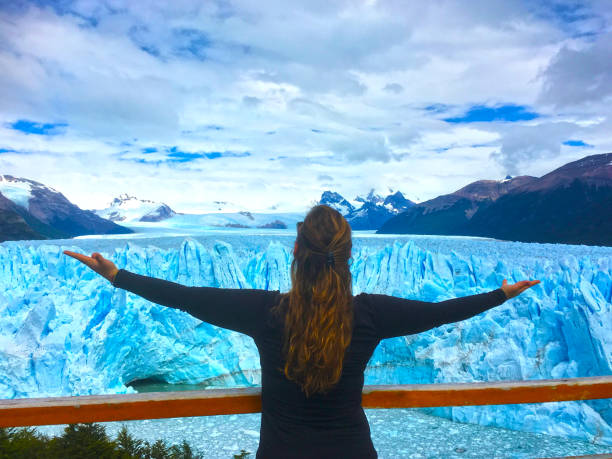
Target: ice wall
x: 64, y: 330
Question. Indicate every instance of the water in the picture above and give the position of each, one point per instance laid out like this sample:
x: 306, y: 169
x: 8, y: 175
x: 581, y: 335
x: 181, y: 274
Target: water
x: 406, y: 433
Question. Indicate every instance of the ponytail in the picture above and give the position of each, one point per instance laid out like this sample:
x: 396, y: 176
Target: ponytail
x: 318, y: 310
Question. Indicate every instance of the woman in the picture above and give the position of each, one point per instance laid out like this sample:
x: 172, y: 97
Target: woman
x: 314, y: 342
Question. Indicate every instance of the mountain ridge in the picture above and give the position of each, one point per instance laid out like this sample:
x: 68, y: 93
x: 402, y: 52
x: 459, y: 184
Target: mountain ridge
x: 570, y: 204
x: 33, y: 210
x: 130, y: 208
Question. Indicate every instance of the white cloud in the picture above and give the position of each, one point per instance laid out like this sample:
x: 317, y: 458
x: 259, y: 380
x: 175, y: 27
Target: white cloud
x: 533, y: 149
x: 332, y: 92
x: 580, y: 76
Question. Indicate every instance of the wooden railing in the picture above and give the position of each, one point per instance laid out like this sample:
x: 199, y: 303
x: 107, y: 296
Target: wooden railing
x: 156, y: 405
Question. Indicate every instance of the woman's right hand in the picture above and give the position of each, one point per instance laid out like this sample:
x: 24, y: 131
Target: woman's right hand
x: 97, y: 263
x: 512, y: 290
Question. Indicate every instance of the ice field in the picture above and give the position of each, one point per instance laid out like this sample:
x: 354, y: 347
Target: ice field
x: 64, y: 330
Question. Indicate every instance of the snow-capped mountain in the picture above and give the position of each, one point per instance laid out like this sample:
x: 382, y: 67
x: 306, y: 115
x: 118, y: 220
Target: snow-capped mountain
x: 130, y: 210
x: 126, y: 208
x: 371, y: 198
x: 397, y: 203
x: 32, y: 210
x: 373, y: 212
x: 336, y: 201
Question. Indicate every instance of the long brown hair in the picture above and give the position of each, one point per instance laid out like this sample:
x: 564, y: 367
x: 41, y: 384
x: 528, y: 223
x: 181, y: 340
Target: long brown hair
x: 318, y: 309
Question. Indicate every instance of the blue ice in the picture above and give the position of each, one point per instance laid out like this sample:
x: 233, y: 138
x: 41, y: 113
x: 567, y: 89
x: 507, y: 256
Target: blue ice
x: 64, y: 330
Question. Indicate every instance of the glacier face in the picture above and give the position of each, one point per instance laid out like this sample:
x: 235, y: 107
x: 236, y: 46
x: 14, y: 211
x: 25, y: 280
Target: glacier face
x: 64, y: 330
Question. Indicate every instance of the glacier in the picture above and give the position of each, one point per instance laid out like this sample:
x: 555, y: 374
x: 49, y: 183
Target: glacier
x: 64, y: 330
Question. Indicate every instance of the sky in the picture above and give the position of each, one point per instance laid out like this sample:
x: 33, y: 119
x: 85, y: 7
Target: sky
x: 262, y: 106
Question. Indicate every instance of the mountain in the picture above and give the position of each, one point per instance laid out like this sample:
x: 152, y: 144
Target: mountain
x: 397, y: 203
x: 130, y: 208
x: 569, y: 205
x: 450, y: 214
x: 374, y: 209
x: 371, y: 198
x: 13, y: 225
x: 336, y: 201
x: 31, y: 210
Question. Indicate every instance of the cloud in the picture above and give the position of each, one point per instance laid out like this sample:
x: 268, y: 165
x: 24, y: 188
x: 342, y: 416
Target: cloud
x: 523, y: 146
x: 332, y: 89
x: 394, y: 88
x: 362, y: 148
x: 437, y: 108
x: 579, y: 76
x: 250, y: 101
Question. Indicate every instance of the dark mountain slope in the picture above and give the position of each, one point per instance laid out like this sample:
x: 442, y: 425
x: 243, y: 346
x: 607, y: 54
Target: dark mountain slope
x: 571, y: 205
x: 450, y: 214
x: 44, y: 213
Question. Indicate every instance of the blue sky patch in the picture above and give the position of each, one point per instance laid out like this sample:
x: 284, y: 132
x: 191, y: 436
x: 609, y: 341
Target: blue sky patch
x: 33, y: 127
x: 142, y: 37
x: 150, y: 49
x: 176, y: 155
x: 571, y: 16
x: 577, y: 143
x: 569, y: 12
x: 482, y: 113
x: 191, y: 43
x: 183, y: 156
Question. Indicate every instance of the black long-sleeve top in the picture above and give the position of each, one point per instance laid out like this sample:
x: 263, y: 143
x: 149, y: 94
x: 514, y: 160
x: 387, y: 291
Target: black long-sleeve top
x: 333, y: 425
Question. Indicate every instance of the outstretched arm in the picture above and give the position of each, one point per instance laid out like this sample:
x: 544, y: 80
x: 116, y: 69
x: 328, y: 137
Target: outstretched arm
x: 395, y: 316
x: 241, y: 310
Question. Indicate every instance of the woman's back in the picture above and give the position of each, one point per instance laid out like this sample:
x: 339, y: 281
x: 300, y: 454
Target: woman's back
x: 321, y: 425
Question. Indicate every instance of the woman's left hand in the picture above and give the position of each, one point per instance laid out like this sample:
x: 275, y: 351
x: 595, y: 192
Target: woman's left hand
x: 512, y: 290
x: 96, y: 262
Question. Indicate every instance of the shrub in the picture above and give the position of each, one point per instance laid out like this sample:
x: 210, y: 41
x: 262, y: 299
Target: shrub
x: 86, y: 441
